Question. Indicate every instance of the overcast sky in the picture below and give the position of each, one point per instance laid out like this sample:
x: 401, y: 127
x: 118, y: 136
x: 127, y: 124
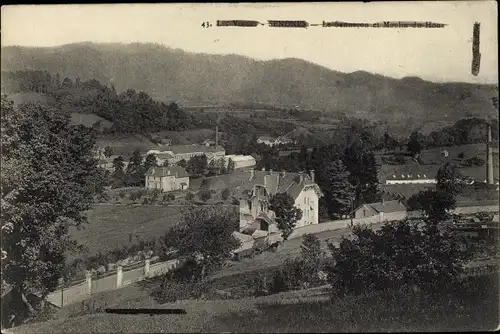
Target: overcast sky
x: 433, y: 54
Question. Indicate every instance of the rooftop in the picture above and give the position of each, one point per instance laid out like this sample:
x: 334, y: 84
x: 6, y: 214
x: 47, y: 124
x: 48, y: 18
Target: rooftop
x: 409, y: 171
x: 177, y: 149
x: 167, y: 171
x: 386, y: 206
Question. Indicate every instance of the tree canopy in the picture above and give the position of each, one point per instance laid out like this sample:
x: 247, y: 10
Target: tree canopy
x: 49, y: 177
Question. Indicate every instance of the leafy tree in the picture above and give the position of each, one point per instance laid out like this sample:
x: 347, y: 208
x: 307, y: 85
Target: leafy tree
x: 287, y: 214
x: 436, y: 203
x: 398, y: 254
x: 182, y: 163
x: 206, y: 234
x: 67, y: 83
x: 197, y: 165
x: 166, y: 163
x: 339, y: 193
x: 414, y: 144
x: 449, y: 179
x: 230, y: 165
x: 49, y: 178
x: 118, y: 173
x: 150, y: 161
x: 221, y: 166
x: 135, y: 161
x: 135, y: 170
x: 108, y: 151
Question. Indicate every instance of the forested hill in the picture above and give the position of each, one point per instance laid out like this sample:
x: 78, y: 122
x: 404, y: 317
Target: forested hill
x: 194, y: 79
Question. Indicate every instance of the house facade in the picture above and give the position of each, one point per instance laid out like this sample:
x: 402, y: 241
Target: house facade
x: 167, y: 178
x: 257, y: 219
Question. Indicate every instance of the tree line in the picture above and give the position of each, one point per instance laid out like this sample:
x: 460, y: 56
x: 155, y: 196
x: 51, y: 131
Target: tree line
x: 130, y: 112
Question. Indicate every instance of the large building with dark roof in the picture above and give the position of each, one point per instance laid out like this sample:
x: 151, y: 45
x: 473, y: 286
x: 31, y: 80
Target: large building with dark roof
x: 256, y: 191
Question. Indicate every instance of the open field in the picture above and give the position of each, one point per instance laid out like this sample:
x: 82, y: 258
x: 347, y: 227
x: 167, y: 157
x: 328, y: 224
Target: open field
x: 469, y: 151
x: 110, y: 226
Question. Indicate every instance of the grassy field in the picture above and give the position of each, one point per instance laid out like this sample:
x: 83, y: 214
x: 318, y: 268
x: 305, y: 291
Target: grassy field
x: 110, y: 226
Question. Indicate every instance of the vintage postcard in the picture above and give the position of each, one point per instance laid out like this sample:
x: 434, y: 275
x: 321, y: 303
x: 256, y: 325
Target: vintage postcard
x: 271, y: 167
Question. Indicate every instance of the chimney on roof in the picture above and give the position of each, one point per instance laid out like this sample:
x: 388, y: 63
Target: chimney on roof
x: 283, y: 174
x: 252, y: 173
x: 168, y: 171
x: 311, y: 172
x: 301, y: 177
x: 271, y: 172
x: 263, y: 169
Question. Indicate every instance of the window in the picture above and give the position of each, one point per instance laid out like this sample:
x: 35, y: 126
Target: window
x: 305, y: 200
x: 308, y: 201
x: 403, y: 176
x: 250, y: 205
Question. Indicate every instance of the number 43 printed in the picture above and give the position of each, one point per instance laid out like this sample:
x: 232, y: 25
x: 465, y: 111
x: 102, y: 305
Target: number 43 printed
x: 206, y: 24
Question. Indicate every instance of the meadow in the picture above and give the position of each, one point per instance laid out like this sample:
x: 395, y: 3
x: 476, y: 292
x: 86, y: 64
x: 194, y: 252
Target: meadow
x: 111, y: 226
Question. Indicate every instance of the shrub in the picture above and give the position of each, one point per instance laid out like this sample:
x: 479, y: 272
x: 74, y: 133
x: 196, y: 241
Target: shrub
x: 461, y: 155
x: 225, y: 194
x: 400, y: 253
x: 189, y: 196
x: 291, y: 275
x: 205, y: 195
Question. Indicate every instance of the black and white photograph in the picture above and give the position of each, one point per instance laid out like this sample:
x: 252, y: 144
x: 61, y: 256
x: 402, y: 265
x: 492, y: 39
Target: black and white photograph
x: 250, y: 167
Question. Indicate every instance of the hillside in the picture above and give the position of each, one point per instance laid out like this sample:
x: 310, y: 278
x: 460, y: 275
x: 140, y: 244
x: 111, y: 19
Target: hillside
x: 201, y: 79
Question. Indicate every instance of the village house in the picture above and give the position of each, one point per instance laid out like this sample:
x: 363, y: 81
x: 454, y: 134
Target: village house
x: 176, y: 153
x: 257, y: 219
x: 378, y: 209
x: 167, y: 178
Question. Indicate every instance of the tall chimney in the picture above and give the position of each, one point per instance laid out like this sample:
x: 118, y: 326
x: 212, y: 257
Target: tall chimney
x: 216, y: 136
x: 252, y: 173
x: 311, y: 172
x: 489, y: 158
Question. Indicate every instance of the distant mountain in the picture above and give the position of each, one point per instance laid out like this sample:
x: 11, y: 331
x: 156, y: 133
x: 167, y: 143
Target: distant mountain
x: 202, y: 79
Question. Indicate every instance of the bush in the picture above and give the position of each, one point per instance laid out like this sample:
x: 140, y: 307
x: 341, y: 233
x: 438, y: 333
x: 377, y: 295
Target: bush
x: 293, y: 274
x: 461, y: 155
x: 225, y: 194
x: 398, y: 254
x: 189, y: 196
x: 205, y: 195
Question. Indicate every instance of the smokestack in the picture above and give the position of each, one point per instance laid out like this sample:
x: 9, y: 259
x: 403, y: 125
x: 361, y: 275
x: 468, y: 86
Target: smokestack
x: 251, y: 173
x: 489, y: 158
x: 216, y: 136
x: 311, y: 172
